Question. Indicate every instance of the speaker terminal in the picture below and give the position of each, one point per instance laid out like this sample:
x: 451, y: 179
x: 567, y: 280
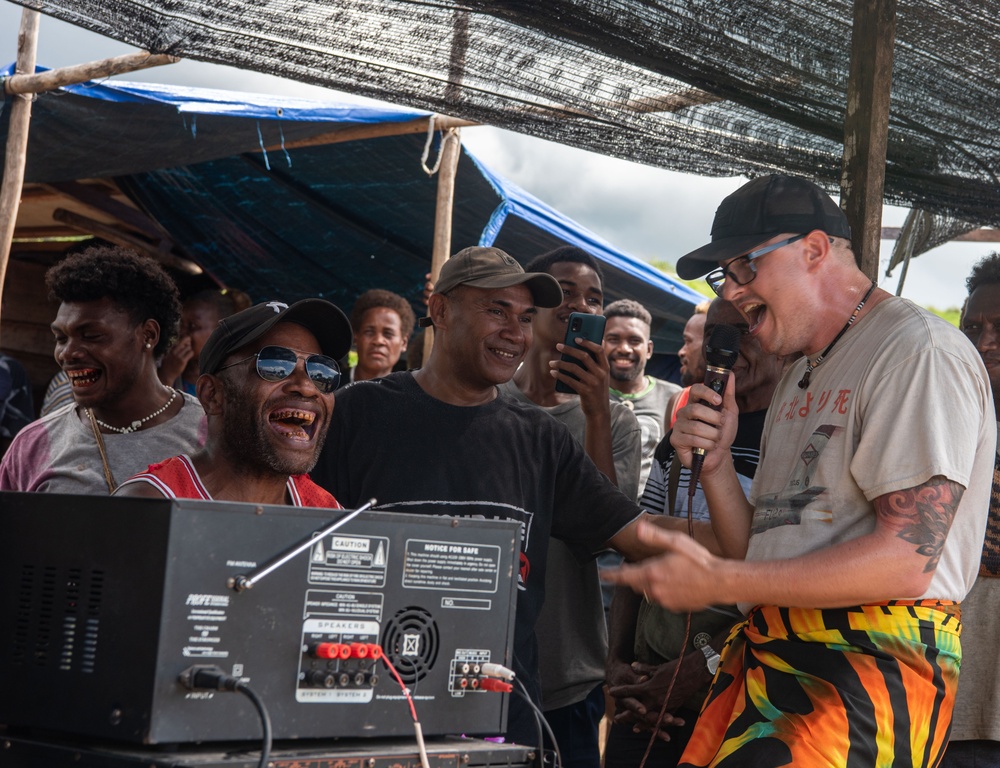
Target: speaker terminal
x: 340, y: 662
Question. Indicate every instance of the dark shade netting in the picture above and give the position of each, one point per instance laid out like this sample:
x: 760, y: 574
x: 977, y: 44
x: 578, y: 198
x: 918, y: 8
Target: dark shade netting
x: 708, y: 87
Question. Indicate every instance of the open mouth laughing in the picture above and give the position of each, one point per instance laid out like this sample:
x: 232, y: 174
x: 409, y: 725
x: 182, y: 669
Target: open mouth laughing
x: 755, y: 314
x: 293, y: 423
x: 82, y: 378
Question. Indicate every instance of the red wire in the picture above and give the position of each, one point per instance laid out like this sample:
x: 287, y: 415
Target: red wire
x: 402, y: 685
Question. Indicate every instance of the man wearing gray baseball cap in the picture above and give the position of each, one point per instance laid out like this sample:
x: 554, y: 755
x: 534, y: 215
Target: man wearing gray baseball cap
x: 445, y: 440
x: 866, y: 514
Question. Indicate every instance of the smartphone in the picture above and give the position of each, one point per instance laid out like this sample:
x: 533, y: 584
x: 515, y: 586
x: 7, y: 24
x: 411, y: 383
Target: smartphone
x: 583, y: 326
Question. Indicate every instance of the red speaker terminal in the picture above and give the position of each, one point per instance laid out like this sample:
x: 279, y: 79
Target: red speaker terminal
x: 331, y: 651
x: 492, y: 684
x: 345, y: 651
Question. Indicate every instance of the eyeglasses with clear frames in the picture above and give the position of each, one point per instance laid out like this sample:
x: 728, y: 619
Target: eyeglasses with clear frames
x: 742, y: 270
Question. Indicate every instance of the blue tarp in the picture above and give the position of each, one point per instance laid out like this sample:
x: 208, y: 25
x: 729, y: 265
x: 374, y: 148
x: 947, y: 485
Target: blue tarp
x: 330, y: 220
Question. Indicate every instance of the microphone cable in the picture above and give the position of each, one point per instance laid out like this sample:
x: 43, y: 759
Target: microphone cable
x: 721, y: 351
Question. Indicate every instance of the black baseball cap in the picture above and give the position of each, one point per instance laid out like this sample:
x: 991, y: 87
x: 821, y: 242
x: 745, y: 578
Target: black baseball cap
x: 759, y: 210
x: 482, y: 267
x: 324, y: 320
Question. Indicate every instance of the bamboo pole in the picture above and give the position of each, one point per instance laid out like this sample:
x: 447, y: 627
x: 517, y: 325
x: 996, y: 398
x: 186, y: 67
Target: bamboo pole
x: 21, y: 83
x: 451, y: 145
x: 17, y: 141
x: 374, y: 131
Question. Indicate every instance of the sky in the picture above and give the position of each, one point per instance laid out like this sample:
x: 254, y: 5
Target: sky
x: 655, y: 214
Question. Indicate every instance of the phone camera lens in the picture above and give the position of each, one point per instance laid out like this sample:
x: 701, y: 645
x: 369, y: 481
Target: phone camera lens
x: 575, y: 324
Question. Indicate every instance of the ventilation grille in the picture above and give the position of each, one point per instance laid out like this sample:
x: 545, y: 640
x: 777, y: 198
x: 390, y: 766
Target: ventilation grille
x: 58, y: 617
x: 410, y: 640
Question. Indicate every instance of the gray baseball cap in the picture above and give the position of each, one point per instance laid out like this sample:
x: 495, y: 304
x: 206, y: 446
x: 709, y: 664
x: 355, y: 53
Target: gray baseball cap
x: 481, y: 267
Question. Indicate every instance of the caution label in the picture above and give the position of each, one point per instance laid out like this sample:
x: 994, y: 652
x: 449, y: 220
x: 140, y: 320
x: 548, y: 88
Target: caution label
x: 356, y: 561
x: 455, y: 566
x: 321, y: 602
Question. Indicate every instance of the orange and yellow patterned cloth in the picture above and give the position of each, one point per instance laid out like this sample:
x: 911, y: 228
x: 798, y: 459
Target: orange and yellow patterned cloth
x: 867, y: 686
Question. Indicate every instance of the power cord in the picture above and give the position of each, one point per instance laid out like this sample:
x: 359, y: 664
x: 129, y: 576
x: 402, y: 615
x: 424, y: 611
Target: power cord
x: 540, y: 722
x: 210, y: 677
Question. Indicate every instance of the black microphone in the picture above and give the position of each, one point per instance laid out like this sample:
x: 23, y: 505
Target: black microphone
x: 721, y: 351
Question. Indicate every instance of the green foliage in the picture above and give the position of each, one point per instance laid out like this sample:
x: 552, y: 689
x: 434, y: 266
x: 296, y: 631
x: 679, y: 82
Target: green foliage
x: 697, y: 284
x: 952, y: 314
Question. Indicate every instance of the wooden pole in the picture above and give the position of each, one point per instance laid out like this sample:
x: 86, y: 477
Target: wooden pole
x: 451, y: 145
x: 81, y: 73
x: 373, y: 131
x: 866, y: 127
x: 17, y: 141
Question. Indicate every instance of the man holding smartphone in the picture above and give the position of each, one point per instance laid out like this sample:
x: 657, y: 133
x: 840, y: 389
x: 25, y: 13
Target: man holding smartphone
x: 565, y: 373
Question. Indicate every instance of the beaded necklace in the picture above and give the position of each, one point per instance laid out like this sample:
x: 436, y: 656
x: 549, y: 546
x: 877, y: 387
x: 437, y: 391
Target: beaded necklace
x: 810, y: 365
x: 136, y: 425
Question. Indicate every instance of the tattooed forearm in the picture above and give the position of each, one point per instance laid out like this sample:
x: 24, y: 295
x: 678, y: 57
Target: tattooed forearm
x: 922, y: 515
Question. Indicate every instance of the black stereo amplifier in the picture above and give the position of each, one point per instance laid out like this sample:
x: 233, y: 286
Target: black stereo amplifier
x: 442, y: 752
x: 107, y: 601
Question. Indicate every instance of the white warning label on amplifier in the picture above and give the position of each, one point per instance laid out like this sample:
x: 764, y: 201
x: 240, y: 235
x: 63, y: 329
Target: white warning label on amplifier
x: 321, y: 602
x: 451, y: 565
x: 354, y: 561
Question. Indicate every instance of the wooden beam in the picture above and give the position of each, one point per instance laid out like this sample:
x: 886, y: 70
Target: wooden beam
x: 29, y: 82
x: 27, y: 234
x: 975, y: 236
x: 125, y: 239
x: 668, y: 102
x: 36, y: 192
x: 98, y: 197
x: 374, y: 131
x: 17, y: 140
x: 18, y: 335
x: 451, y: 146
x: 24, y: 297
x: 866, y: 127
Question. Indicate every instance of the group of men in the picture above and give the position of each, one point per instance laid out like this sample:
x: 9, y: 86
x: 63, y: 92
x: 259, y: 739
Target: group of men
x: 838, y: 570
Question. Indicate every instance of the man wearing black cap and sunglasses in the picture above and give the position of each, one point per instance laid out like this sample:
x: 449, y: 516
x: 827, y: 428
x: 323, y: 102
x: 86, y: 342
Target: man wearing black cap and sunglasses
x: 866, y: 514
x: 268, y: 375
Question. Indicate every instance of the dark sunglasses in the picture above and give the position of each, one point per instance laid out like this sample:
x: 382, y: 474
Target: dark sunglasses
x: 278, y: 363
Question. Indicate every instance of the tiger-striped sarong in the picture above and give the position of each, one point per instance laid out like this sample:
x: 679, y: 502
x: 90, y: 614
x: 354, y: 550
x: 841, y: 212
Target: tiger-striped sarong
x: 847, y: 688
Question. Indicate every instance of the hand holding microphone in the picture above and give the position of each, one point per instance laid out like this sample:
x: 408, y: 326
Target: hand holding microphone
x: 721, y: 351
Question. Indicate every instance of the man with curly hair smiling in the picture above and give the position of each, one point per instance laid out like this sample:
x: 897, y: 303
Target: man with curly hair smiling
x: 118, y: 312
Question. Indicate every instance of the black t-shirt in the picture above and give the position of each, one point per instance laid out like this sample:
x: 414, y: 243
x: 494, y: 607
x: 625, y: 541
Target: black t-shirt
x: 390, y: 440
